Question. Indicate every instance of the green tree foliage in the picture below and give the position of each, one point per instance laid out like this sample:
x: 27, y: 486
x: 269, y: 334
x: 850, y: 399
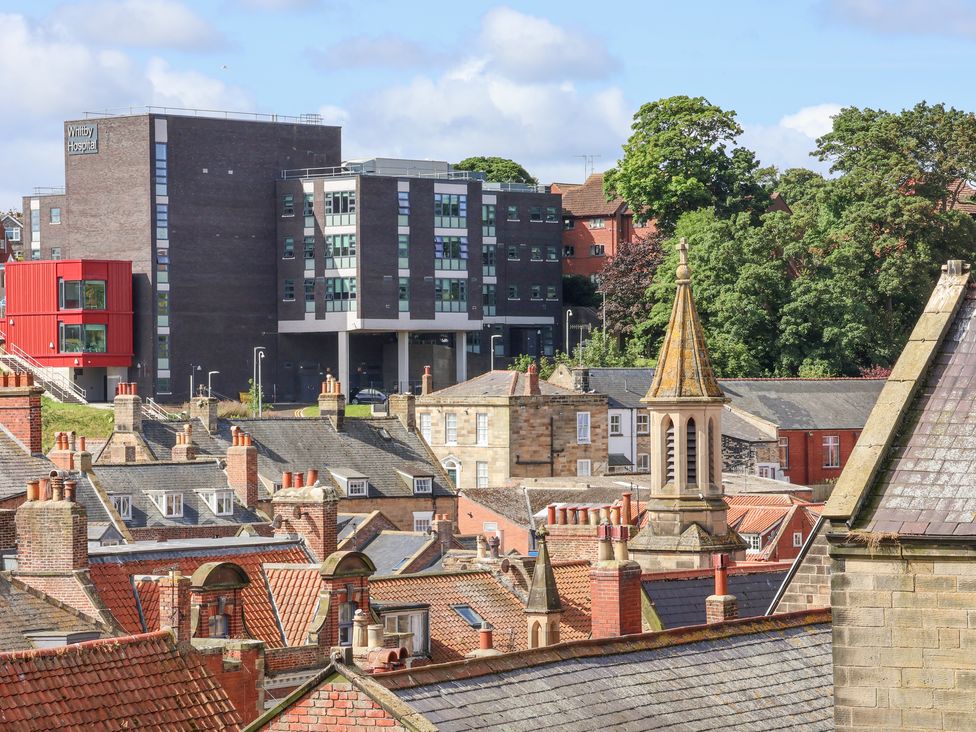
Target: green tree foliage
x: 625, y: 281
x: 497, y: 170
x: 679, y: 159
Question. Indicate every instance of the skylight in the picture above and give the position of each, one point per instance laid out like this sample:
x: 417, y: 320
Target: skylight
x: 469, y: 615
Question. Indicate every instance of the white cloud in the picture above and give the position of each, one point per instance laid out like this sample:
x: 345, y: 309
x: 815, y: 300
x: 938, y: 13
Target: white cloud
x: 172, y: 88
x: 531, y: 48
x: 137, y: 23
x: 378, y: 52
x: 909, y: 17
x: 814, y: 121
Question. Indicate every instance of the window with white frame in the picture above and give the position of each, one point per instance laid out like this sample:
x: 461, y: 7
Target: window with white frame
x: 583, y: 429
x: 784, y: 452
x: 481, y: 428
x: 221, y: 502
x: 425, y: 426
x: 422, y: 519
x: 423, y: 485
x: 583, y: 468
x: 831, y: 451
x: 169, y: 504
x: 753, y: 542
x: 357, y: 487
x: 123, y: 505
x: 615, y: 428
x: 481, y: 474
x: 643, y: 462
x: 767, y: 471
x: 412, y: 622
x: 643, y: 423
x: 797, y: 539
x: 450, y: 429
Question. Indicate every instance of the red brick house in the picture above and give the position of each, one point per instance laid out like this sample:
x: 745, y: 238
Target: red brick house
x: 594, y: 226
x: 774, y: 526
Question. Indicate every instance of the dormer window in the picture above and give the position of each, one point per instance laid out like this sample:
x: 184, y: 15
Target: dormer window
x: 354, y: 483
x: 123, y: 506
x: 423, y: 485
x: 220, y: 502
x: 169, y: 504
x: 357, y: 488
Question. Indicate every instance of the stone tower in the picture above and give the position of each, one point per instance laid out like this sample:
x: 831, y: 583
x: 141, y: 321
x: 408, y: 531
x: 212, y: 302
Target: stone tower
x: 687, y: 516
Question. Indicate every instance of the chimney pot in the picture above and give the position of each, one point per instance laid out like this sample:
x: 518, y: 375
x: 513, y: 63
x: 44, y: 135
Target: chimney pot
x: 70, y: 487
x: 299, y: 479
x: 561, y: 511
x: 44, y: 490
x: 313, y: 477
x: 625, y: 509
x: 57, y: 489
x: 81, y: 443
x: 325, y: 387
x: 484, y: 637
x: 33, y: 487
x: 286, y: 479
x: 551, y: 514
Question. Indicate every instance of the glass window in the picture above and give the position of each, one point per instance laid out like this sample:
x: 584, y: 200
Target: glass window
x: 488, y: 260
x: 161, y: 169
x: 357, y: 487
x: 340, y: 293
x: 162, y: 308
x: 643, y: 462
x: 754, y: 542
x: 512, y: 214
x: 55, y: 215
x: 535, y: 254
x: 474, y: 342
x: 95, y: 341
x: 162, y: 265
x: 423, y: 485
x: 69, y: 294
x: 552, y: 216
x: 450, y: 296
x: 308, y: 246
x: 615, y: 425
x: 308, y: 210
x: 450, y: 429
x: 93, y: 295
x: 123, y: 505
x: 450, y: 252
x: 552, y: 254
x: 55, y: 252
x: 403, y: 294
x: 546, y: 336
x: 347, y: 611
x: 340, y: 251
x: 451, y: 210
x: 488, y: 219
x: 643, y: 423
x: 481, y: 428
x: 513, y: 292
x: 488, y: 299
x: 481, y: 474
x: 288, y: 248
x: 583, y: 428
x: 403, y: 201
x: 288, y: 205
x: 415, y: 623
x: 289, y: 290
x: 421, y: 520
x: 468, y: 615
x: 550, y: 292
x: 162, y: 385
x: 513, y: 253
x: 70, y: 338
x: 169, y: 504
x: 162, y: 351
x: 568, y: 223
x: 583, y: 468
x: 309, y: 294
x: 831, y: 451
x: 569, y: 251
x: 784, y: 452
x: 425, y: 426
x: 403, y: 251
x: 224, y: 503
x: 597, y: 223
x: 536, y: 292
x: 340, y: 208
x: 162, y: 221
x: 535, y: 213
x: 597, y: 250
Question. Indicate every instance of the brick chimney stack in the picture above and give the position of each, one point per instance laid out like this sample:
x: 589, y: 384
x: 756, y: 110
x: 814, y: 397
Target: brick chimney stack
x: 128, y: 408
x: 532, y: 381
x: 721, y: 606
x: 20, y: 409
x: 426, y: 382
x: 615, y: 586
x: 204, y: 408
x: 174, y: 605
x: 404, y: 408
x: 62, y: 456
x: 184, y: 450
x: 242, y: 467
x: 443, y: 526
x: 332, y: 403
x: 52, y: 533
x: 309, y: 512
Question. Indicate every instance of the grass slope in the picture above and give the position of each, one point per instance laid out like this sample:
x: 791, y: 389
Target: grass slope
x: 84, y: 420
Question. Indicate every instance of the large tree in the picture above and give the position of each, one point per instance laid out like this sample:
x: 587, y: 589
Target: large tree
x: 682, y: 157
x: 624, y: 281
x: 497, y: 170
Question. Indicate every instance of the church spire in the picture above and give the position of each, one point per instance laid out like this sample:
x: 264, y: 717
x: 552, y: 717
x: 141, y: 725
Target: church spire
x: 684, y: 370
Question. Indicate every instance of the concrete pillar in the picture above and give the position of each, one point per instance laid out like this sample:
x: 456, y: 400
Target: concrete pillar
x: 403, y: 361
x: 461, y: 353
x: 343, y: 336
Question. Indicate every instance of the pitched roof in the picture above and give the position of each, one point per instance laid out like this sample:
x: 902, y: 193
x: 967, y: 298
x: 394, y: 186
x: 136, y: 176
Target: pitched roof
x: 684, y: 370
x: 295, y: 590
x: 680, y: 600
x: 112, y: 570
x: 107, y: 684
x: 17, y: 466
x: 692, y: 679
x: 737, y: 427
x: 138, y: 479
x: 161, y: 437
x: 497, y: 383
x: 390, y: 550
x: 25, y: 611
x: 589, y: 199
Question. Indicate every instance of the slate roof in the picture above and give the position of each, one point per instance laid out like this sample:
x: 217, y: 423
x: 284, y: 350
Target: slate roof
x: 588, y: 199
x: 805, y: 404
x: 137, y: 479
x: 927, y: 488
x: 297, y: 444
x: 25, y: 611
x: 390, y: 550
x: 681, y: 601
x: 109, y: 684
x: 685, y: 680
x: 739, y: 428
x: 624, y: 387
x: 497, y: 383
x: 112, y: 570
x: 17, y: 466
x: 161, y: 437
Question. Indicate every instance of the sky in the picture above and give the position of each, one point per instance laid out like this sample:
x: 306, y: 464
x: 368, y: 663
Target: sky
x: 544, y: 83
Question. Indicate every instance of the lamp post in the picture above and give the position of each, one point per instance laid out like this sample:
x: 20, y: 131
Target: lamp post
x: 254, y: 370
x: 209, y: 377
x: 260, y: 389
x: 569, y: 314
x: 192, y: 369
x: 497, y: 335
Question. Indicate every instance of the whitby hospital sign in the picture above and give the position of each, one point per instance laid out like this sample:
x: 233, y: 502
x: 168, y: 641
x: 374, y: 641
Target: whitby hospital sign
x: 82, y: 139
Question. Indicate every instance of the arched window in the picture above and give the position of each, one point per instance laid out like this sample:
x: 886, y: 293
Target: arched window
x: 691, y: 454
x: 554, y: 632
x: 534, y: 641
x: 669, y: 450
x: 711, y: 451
x: 453, y: 469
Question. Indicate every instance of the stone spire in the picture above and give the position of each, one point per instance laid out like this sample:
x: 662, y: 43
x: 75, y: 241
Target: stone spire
x: 544, y: 609
x: 684, y: 370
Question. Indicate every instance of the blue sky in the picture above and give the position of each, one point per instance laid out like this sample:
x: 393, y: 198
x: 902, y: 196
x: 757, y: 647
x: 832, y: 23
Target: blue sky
x: 542, y: 82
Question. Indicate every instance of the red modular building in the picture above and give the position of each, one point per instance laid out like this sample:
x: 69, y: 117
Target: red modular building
x: 72, y: 315
x: 594, y: 226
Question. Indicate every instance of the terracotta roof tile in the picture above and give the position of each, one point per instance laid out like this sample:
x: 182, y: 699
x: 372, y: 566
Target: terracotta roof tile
x: 110, y: 684
x: 756, y: 519
x: 497, y: 383
x: 588, y: 199
x: 295, y: 593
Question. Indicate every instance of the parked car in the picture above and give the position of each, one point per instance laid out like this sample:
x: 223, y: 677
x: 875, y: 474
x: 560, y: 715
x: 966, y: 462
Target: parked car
x: 368, y: 396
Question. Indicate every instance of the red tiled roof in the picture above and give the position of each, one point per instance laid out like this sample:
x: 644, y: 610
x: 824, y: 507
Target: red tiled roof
x: 573, y: 583
x: 113, y: 579
x: 148, y: 596
x: 589, y: 199
x: 141, y: 681
x: 295, y: 593
x: 767, y: 500
x: 65, y: 588
x: 754, y: 519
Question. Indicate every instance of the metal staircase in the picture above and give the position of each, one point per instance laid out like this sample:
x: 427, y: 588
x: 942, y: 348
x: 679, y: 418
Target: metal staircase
x: 15, y: 360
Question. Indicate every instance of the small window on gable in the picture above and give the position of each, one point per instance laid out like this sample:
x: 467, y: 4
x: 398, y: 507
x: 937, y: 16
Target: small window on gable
x: 220, y: 502
x: 469, y: 615
x: 797, y: 538
x: 423, y: 485
x: 169, y: 504
x: 358, y: 487
x: 123, y: 505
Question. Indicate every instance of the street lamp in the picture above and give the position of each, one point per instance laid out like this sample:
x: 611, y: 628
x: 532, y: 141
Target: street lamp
x: 497, y: 335
x: 260, y: 390
x: 209, y: 376
x: 254, y: 370
x: 192, y: 369
x: 569, y: 314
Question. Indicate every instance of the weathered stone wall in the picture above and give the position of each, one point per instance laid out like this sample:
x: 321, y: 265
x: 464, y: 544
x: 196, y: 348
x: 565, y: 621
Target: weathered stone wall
x: 809, y: 588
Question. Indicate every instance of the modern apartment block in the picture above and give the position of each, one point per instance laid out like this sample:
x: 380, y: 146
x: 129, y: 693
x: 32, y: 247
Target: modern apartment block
x: 252, y: 233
